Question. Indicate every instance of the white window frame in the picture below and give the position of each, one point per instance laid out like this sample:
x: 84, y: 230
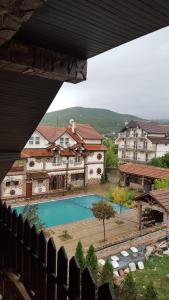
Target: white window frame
x: 37, y: 140
x: 61, y: 142
x: 77, y: 159
x: 31, y: 140
x: 57, y: 160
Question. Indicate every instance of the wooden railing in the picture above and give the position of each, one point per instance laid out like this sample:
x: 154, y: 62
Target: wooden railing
x: 31, y: 267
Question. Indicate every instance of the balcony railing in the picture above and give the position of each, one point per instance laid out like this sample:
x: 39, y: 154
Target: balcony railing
x: 28, y: 266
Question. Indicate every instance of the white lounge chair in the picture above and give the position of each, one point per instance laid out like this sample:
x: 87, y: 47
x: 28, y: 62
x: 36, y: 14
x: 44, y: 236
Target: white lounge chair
x: 101, y: 262
x: 132, y: 267
x: 140, y: 265
x: 124, y: 253
x: 115, y: 258
x: 134, y: 249
x: 115, y: 264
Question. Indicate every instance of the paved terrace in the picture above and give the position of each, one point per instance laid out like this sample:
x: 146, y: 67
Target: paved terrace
x: 91, y: 231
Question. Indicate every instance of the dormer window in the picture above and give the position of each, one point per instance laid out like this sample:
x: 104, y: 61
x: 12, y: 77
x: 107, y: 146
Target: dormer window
x: 37, y: 140
x: 67, y: 141
x: 61, y: 142
x: 31, y: 140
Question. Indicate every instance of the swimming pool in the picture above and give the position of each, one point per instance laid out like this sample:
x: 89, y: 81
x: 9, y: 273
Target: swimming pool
x: 57, y: 212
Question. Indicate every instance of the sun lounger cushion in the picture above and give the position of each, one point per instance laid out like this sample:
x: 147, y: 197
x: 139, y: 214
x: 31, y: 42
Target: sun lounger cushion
x: 124, y: 253
x: 134, y: 249
x: 101, y: 262
x: 114, y: 257
x: 115, y: 264
x: 132, y: 267
x: 140, y: 265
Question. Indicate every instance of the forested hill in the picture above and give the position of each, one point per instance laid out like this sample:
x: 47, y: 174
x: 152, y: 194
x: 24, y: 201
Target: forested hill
x: 104, y: 120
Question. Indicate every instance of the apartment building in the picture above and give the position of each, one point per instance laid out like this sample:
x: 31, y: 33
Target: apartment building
x: 140, y: 141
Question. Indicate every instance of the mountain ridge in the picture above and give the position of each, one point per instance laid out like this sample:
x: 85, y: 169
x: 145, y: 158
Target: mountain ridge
x: 104, y: 120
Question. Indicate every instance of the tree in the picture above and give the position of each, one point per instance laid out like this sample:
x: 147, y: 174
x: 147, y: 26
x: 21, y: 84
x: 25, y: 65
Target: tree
x: 80, y: 255
x: 118, y: 196
x: 103, y: 210
x: 162, y: 161
x: 91, y: 260
x: 150, y: 292
x: 111, y: 153
x: 128, y: 290
x: 161, y: 183
x: 107, y: 274
x: 30, y: 212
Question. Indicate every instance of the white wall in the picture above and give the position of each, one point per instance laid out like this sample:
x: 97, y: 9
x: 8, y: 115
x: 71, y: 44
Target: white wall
x: 38, y: 164
x: 94, y: 168
x: 93, y: 157
x: 40, y: 188
x: 19, y: 189
x: 43, y: 142
x: 64, y: 136
x: 94, y: 142
x: 162, y: 150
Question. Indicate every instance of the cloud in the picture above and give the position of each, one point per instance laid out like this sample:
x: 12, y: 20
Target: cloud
x: 132, y: 78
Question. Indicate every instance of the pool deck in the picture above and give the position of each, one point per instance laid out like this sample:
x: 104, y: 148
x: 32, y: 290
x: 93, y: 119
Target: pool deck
x: 90, y: 231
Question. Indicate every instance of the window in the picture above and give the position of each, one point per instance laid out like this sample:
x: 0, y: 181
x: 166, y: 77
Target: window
x: 99, y: 156
x: 61, y: 141
x: 146, y: 156
x: 12, y: 183
x: 67, y: 141
x: 99, y: 171
x: 135, y: 156
x: 77, y: 159
x: 123, y: 154
x: 31, y: 140
x: 37, y: 140
x: 8, y: 183
x: 145, y: 145
x: 40, y: 181
x: 57, y: 160
x: 75, y: 177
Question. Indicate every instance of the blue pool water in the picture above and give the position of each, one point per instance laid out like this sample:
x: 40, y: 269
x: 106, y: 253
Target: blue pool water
x: 57, y: 212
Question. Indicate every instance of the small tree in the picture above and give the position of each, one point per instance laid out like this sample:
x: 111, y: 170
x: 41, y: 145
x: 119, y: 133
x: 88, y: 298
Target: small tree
x: 118, y: 196
x: 91, y: 260
x: 150, y: 292
x: 128, y: 290
x: 30, y: 212
x: 80, y: 255
x: 107, y: 274
x: 102, y: 210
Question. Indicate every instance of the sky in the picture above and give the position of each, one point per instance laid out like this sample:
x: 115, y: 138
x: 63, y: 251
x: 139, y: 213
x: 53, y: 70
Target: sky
x: 132, y: 78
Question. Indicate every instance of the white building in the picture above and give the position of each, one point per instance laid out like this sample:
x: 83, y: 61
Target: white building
x: 140, y: 141
x: 56, y: 159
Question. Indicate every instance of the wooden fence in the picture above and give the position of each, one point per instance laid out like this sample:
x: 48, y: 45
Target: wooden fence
x: 31, y: 267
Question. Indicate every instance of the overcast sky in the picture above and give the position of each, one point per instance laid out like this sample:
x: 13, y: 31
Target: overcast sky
x: 132, y: 78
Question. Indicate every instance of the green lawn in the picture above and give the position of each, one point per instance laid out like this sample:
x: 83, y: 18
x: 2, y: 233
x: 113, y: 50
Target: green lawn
x: 157, y: 270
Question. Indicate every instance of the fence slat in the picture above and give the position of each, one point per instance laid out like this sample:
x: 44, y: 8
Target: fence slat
x: 42, y: 276
x: 74, y: 279
x: 88, y: 285
x: 14, y: 240
x: 105, y: 292
x: 51, y: 270
x: 34, y: 262
x: 27, y: 256
x: 20, y: 230
x: 62, y: 270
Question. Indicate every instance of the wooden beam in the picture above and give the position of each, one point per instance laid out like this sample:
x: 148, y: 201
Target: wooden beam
x: 13, y: 14
x: 32, y: 60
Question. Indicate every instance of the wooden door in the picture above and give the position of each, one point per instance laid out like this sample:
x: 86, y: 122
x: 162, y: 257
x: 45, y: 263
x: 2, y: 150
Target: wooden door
x: 28, y: 189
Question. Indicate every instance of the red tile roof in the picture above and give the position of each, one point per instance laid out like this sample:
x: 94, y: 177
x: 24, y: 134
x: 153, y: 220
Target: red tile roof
x: 160, y: 196
x: 88, y: 132
x: 77, y: 138
x: 95, y: 147
x: 159, y: 140
x: 26, y: 152
x: 51, y: 133
x: 148, y: 126
x: 144, y: 170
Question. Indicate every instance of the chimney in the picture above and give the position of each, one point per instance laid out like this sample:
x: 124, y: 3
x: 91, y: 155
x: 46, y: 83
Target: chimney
x: 73, y: 125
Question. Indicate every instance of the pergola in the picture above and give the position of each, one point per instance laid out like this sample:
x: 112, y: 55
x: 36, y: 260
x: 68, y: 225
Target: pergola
x: 156, y: 208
